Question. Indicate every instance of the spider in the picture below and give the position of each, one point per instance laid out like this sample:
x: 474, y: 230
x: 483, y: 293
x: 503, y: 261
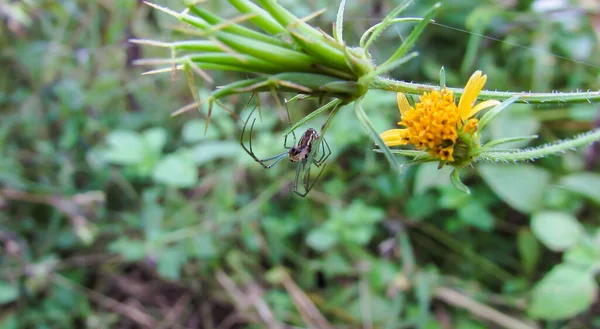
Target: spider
x: 297, y: 153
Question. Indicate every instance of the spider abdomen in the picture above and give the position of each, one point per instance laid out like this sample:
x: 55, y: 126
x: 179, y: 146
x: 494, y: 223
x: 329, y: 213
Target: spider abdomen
x: 302, y: 150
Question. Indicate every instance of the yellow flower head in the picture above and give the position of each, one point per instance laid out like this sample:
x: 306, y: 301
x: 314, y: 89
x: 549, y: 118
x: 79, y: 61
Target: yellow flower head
x: 436, y: 122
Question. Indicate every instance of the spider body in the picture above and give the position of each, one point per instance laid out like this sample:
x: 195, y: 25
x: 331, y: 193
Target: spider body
x: 302, y: 150
x: 297, y: 153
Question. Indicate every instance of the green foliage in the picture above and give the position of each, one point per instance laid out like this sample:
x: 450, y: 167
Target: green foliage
x: 564, y: 292
x: 115, y: 214
x: 352, y: 226
x: 522, y: 187
x: 557, y: 231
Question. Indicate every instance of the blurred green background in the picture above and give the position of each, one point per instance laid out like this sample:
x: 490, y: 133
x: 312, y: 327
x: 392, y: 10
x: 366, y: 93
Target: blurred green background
x: 115, y: 215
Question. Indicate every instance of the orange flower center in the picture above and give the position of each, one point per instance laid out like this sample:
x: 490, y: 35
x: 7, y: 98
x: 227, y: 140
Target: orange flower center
x: 434, y: 124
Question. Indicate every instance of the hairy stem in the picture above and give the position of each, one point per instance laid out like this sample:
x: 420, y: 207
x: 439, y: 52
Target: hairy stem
x: 524, y: 97
x: 540, y: 152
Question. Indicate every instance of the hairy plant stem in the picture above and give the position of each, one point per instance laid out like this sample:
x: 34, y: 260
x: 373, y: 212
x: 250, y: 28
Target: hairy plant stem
x: 540, y: 152
x: 524, y: 97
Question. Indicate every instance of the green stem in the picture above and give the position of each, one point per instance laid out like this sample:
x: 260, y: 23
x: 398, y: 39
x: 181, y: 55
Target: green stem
x: 368, y: 126
x: 236, y: 28
x: 305, y: 35
x: 536, y: 98
x: 248, y: 62
x: 288, y: 59
x: 191, y: 45
x: 262, y: 19
x: 373, y: 32
x: 540, y: 152
x: 333, y: 104
x: 217, y: 61
x: 412, y: 38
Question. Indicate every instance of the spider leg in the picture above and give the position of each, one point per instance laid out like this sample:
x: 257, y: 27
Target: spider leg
x: 299, y: 167
x: 277, y: 159
x: 306, y: 179
x: 292, y: 132
x: 249, y: 149
x: 326, y: 152
x: 244, y: 132
x: 316, y: 179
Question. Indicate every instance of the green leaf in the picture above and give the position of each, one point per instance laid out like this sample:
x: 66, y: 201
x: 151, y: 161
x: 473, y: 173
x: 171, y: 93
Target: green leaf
x: 466, y: 323
x: 563, y: 293
x: 155, y: 139
x: 584, y: 255
x: 451, y: 198
x: 152, y: 215
x: 359, y: 213
x: 210, y: 151
x: 522, y: 186
x: 421, y: 206
x: 497, y: 142
x: 455, y: 179
x: 193, y: 131
x: 381, y: 274
x: 529, y: 250
x: 556, y: 197
x: 413, y: 37
x: 335, y: 264
x: 442, y: 78
x: 519, y: 121
x: 339, y: 23
x: 360, y: 235
x: 125, y: 147
x: 428, y: 175
x: 8, y: 292
x: 131, y: 250
x: 10, y: 321
x: 476, y: 215
x: 176, y: 170
x: 170, y: 262
x: 204, y: 246
x: 321, y: 239
x: 86, y: 232
x: 368, y: 127
x: 556, y: 230
x: 586, y: 184
x: 496, y: 110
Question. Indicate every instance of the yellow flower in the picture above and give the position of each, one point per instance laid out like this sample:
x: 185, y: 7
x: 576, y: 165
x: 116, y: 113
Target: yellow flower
x: 436, y: 122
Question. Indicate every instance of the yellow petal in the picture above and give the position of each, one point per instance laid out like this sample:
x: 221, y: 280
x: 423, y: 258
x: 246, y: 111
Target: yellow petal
x: 392, y: 137
x: 472, y: 90
x: 403, y: 104
x: 482, y: 106
x: 392, y: 133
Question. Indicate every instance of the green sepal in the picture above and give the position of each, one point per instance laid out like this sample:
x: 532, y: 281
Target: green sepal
x: 455, y: 179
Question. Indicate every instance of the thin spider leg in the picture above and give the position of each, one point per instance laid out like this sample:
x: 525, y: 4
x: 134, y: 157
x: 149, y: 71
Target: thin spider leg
x: 254, y: 96
x: 285, y: 141
x: 324, y: 128
x: 263, y: 162
x: 290, y: 123
x: 299, y: 168
x: 325, y: 155
x: 306, y: 179
x: 244, y: 132
x: 277, y: 159
x: 319, y: 154
x: 314, y: 182
x: 249, y: 149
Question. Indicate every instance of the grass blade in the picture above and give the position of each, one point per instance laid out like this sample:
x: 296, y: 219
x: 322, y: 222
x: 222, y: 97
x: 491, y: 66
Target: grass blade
x: 368, y: 126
